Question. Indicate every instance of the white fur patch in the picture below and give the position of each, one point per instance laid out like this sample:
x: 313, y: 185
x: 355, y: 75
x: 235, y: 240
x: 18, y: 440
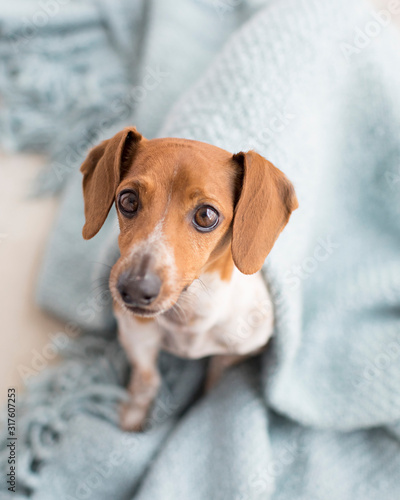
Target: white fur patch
x: 218, y: 317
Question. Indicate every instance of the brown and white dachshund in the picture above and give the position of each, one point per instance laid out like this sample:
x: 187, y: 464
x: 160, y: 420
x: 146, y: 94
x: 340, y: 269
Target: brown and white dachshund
x: 196, y: 224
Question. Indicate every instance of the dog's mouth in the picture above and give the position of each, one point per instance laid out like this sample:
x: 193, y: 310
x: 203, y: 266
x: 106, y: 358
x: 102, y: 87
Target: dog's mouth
x: 148, y: 312
x: 144, y: 311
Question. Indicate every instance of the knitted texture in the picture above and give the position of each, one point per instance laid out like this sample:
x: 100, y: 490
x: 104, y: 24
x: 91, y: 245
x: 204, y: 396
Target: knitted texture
x: 311, y: 86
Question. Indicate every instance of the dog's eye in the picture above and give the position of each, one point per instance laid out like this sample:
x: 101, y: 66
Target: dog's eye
x: 128, y: 202
x: 206, y: 218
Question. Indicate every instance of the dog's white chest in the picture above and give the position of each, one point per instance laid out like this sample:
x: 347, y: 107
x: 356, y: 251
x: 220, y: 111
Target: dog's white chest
x: 217, y: 317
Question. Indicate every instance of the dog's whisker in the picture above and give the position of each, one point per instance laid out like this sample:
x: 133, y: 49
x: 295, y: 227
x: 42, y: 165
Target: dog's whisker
x: 201, y: 288
x: 181, y: 313
x: 99, y: 290
x: 101, y: 264
x: 188, y: 299
x: 100, y: 280
x: 100, y: 285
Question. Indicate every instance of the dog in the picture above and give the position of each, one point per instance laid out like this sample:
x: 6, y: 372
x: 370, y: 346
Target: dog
x: 196, y: 224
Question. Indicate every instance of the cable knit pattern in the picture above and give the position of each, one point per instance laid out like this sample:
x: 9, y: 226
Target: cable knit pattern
x: 317, y: 416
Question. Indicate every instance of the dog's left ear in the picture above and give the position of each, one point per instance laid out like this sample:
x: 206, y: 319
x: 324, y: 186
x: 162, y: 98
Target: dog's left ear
x: 102, y: 172
x: 266, y: 200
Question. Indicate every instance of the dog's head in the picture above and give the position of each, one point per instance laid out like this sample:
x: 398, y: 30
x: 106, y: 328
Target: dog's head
x: 184, y: 208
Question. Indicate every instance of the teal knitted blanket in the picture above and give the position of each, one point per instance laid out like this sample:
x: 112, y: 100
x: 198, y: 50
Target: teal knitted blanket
x: 313, y: 85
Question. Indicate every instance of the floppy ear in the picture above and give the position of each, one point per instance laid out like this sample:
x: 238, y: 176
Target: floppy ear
x: 102, y: 172
x: 266, y: 201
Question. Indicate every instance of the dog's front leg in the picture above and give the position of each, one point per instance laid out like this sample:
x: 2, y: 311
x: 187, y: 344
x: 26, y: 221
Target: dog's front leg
x: 141, y: 341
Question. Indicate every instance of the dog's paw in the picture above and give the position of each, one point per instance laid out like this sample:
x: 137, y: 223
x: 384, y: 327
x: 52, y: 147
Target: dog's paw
x: 132, y: 417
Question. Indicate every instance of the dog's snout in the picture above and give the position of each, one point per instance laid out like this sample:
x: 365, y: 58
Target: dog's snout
x: 139, y: 290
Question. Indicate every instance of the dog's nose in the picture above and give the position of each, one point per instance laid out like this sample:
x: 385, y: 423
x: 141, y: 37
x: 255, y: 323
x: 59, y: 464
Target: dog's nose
x: 138, y: 290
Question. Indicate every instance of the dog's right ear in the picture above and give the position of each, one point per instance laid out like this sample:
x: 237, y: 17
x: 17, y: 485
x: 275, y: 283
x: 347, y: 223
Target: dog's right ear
x: 102, y: 172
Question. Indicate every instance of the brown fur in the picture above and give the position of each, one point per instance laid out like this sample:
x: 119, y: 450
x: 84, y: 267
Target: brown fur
x: 265, y: 204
